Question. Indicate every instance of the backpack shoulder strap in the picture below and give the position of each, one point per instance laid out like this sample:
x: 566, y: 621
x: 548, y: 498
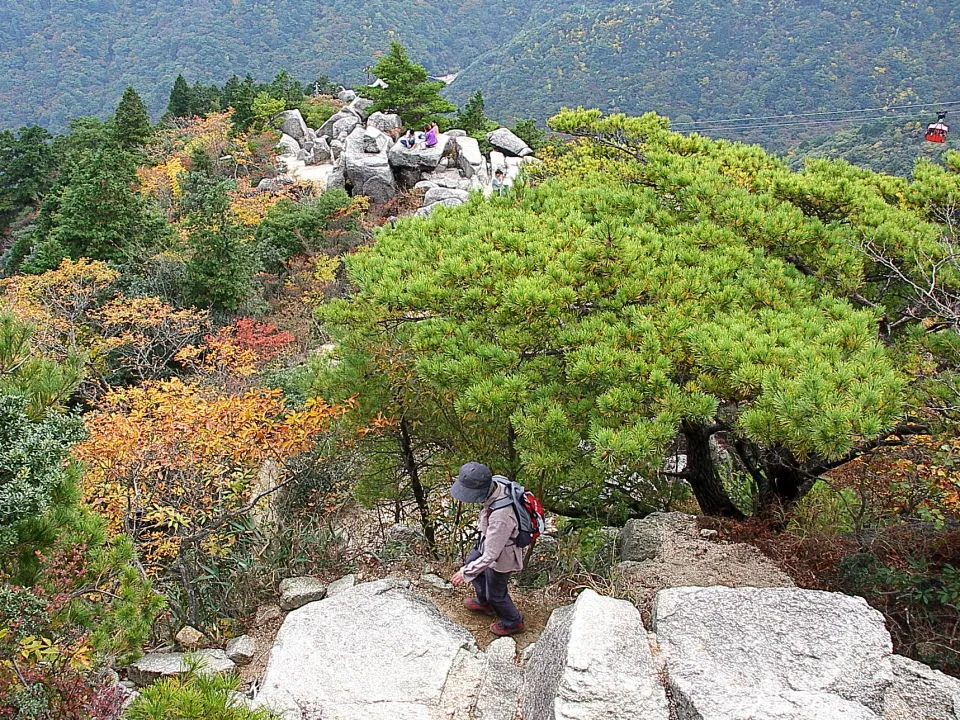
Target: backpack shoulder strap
x: 512, y: 497
x: 507, y: 499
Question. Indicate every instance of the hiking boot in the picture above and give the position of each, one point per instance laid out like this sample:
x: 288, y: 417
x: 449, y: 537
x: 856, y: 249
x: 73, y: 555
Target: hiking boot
x: 476, y: 606
x: 501, y: 630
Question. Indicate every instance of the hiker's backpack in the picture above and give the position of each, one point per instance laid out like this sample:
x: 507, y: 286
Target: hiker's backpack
x: 530, y: 521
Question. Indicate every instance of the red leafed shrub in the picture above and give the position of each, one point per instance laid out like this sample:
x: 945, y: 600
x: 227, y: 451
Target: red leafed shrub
x: 264, y: 339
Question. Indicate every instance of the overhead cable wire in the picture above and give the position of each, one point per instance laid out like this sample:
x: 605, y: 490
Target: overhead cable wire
x: 787, y: 116
x: 797, y: 123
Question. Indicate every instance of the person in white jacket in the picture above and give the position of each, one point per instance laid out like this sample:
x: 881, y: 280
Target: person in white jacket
x: 496, y: 556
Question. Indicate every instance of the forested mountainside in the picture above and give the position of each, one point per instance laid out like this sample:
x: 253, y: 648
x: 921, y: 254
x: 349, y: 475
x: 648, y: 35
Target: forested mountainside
x: 717, y: 58
x: 706, y: 58
x: 60, y: 58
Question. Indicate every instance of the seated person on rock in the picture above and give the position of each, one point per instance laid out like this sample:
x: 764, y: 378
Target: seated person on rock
x: 430, y: 136
x: 496, y: 557
x: 409, y: 139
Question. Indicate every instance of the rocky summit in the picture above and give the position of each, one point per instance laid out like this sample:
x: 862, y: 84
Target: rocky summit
x: 363, y: 155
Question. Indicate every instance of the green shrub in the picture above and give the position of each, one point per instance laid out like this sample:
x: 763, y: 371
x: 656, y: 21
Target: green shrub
x: 194, y: 696
x: 295, y: 228
x: 316, y: 111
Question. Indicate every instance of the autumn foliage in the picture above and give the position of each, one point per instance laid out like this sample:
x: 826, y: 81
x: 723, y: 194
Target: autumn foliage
x: 170, y: 460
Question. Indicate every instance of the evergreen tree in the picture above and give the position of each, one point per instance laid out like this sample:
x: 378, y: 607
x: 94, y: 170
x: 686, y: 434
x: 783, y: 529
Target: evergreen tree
x: 131, y: 122
x: 100, y: 215
x: 241, y: 99
x: 26, y: 169
x: 230, y: 93
x: 219, y: 273
x: 287, y: 89
x: 206, y: 99
x: 635, y: 300
x: 182, y: 102
x: 472, y: 118
x: 408, y: 93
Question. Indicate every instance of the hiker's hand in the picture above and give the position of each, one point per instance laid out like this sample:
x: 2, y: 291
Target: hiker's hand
x: 458, y: 578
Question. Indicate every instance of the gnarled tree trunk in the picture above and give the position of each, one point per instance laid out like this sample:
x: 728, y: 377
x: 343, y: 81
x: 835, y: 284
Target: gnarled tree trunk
x: 702, y: 473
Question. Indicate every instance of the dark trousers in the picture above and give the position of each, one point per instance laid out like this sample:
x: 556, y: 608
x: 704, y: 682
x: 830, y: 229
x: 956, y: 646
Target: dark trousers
x: 491, y: 589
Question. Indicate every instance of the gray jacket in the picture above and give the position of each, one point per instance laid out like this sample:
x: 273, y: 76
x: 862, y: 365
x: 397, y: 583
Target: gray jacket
x: 498, y: 532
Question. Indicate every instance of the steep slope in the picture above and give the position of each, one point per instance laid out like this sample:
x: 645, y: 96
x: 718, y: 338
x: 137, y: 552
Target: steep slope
x: 61, y: 58
x: 705, y: 58
x: 717, y: 58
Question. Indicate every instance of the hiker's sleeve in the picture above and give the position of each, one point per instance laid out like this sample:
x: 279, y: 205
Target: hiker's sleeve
x: 500, y: 527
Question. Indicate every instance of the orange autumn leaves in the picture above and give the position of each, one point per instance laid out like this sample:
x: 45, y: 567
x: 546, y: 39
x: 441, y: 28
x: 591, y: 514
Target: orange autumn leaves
x: 168, y: 459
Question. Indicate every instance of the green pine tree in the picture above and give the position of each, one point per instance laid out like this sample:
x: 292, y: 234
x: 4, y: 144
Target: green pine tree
x: 471, y: 117
x: 219, y: 273
x: 182, y: 101
x: 100, y: 215
x: 131, y: 122
x: 650, y: 291
x: 26, y: 169
x: 241, y: 98
x: 408, y: 93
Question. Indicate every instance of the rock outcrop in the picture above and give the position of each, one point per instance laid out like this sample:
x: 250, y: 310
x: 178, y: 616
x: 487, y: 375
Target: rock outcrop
x: 501, y: 683
x: 918, y: 691
x: 385, y: 122
x: 367, y: 173
x: 334, y: 156
x: 505, y: 141
x: 291, y: 123
x: 593, y: 662
x: 772, y: 653
x: 378, y: 652
x: 470, y: 160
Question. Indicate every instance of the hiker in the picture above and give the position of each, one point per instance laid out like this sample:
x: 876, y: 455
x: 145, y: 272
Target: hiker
x: 498, y: 186
x: 409, y: 139
x: 430, y: 136
x: 496, y: 556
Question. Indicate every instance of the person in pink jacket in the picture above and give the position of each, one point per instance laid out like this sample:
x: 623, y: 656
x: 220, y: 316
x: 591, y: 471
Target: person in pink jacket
x: 496, y: 557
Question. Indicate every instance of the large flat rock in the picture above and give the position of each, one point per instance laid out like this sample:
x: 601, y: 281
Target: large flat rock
x: 419, y: 156
x: 374, y: 651
x: 593, y: 662
x: 772, y: 653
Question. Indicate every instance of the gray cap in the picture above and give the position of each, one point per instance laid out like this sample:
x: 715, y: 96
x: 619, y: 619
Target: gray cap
x: 473, y: 483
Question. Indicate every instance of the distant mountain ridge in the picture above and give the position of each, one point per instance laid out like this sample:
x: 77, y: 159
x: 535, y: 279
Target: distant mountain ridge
x: 703, y: 58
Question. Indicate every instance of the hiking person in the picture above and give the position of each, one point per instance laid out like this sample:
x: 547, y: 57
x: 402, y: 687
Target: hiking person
x: 409, y: 139
x: 496, y: 555
x: 498, y: 182
x: 430, y: 136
